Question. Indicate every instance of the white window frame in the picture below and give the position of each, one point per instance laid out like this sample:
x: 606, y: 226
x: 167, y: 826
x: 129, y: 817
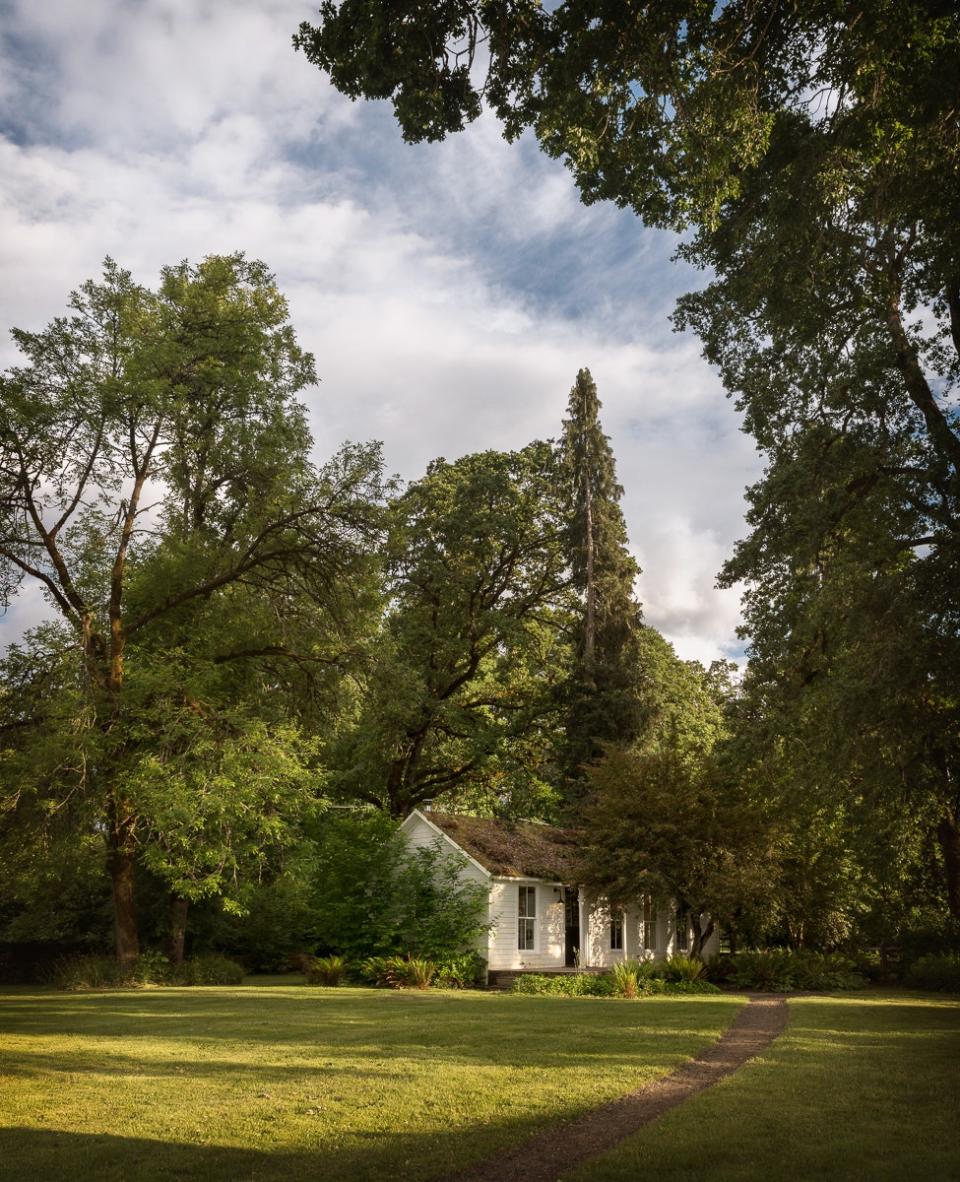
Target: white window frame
x: 617, y: 924
x: 526, y: 920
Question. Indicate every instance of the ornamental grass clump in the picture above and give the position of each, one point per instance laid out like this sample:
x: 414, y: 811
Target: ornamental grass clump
x: 630, y: 979
x: 398, y: 972
x: 680, y: 968
x: 326, y: 970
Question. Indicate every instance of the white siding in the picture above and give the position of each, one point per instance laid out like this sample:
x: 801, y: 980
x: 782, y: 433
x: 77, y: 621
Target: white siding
x: 504, y: 912
x: 599, y: 952
x: 421, y: 835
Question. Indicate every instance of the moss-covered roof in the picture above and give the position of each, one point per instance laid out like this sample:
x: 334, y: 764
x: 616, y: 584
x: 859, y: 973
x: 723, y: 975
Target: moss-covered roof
x: 515, y: 849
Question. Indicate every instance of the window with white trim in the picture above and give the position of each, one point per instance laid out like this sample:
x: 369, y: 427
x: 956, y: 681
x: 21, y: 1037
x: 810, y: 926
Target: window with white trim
x: 648, y: 926
x: 527, y: 919
x: 616, y: 931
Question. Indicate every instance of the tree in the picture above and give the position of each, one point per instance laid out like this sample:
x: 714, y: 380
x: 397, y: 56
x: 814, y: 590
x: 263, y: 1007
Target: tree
x: 604, y: 700
x: 666, y: 820
x: 471, y: 646
x: 811, y: 155
x: 155, y: 481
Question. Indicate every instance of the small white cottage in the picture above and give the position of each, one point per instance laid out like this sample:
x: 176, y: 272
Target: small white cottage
x: 541, y: 919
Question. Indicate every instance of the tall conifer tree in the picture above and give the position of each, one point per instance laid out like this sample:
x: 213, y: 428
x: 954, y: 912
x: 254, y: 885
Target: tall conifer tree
x: 604, y: 702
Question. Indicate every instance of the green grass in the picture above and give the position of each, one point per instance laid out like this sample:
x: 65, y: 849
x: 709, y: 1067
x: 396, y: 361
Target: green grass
x: 290, y: 1082
x: 860, y: 1088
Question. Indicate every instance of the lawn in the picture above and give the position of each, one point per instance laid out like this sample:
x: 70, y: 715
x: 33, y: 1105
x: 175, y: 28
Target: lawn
x: 859, y: 1088
x: 288, y: 1082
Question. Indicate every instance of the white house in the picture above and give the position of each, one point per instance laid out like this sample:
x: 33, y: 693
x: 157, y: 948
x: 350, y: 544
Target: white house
x: 541, y: 919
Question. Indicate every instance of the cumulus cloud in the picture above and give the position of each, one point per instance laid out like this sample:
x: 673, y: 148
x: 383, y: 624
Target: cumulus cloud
x: 450, y: 292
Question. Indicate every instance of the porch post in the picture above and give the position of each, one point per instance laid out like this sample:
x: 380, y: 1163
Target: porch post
x: 584, y: 928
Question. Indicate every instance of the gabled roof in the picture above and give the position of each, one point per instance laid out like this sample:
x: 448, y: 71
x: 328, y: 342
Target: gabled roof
x: 514, y: 849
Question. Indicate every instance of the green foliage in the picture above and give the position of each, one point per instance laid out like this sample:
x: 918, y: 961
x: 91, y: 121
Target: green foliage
x: 209, y: 968
x: 813, y: 163
x: 604, y: 691
x: 398, y: 972
x: 782, y: 970
x: 326, y: 970
x: 371, y: 896
x: 164, y: 713
x: 466, y: 971
x: 566, y: 985
x: 150, y: 968
x: 937, y: 970
x: 627, y: 979
x: 680, y: 968
x: 458, y: 696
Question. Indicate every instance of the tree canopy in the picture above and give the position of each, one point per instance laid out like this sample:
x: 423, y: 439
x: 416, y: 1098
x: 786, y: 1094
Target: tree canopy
x: 155, y: 481
x: 810, y: 154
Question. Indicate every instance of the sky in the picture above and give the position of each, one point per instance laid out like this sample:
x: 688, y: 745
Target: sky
x: 450, y: 292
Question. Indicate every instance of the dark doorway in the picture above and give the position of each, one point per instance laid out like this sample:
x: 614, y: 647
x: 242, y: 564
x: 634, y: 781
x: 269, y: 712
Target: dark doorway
x: 571, y: 926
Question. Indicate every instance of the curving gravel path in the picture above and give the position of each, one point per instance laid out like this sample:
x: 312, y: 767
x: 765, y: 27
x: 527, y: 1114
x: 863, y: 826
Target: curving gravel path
x: 550, y: 1154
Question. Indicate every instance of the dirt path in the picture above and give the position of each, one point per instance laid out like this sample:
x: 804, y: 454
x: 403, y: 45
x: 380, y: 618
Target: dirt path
x: 548, y: 1155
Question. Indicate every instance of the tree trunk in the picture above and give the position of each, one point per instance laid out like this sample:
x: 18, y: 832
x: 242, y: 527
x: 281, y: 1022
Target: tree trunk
x: 948, y: 834
x: 701, y: 934
x: 178, y: 929
x: 124, y: 910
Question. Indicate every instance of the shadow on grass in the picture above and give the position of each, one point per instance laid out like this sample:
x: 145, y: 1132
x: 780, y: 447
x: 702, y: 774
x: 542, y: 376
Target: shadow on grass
x: 40, y: 1155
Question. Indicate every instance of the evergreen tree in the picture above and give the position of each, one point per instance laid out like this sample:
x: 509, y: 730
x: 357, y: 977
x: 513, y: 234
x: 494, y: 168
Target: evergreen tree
x: 604, y: 702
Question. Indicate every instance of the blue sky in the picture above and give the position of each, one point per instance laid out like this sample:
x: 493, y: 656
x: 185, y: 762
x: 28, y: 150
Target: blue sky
x: 450, y: 292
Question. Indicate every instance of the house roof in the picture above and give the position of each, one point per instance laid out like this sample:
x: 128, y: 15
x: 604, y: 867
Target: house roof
x: 514, y: 849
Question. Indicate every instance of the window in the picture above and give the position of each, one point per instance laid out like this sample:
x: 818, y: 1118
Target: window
x: 526, y: 923
x: 616, y: 932
x: 648, y: 927
x: 683, y: 931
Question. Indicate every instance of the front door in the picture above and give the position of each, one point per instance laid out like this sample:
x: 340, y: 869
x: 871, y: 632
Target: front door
x: 571, y: 926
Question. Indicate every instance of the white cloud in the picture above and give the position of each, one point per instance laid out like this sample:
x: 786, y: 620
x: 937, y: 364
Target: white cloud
x: 450, y: 292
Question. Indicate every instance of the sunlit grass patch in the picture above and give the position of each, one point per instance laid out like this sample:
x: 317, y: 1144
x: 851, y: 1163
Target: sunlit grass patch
x: 237, y: 1083
x: 860, y: 1088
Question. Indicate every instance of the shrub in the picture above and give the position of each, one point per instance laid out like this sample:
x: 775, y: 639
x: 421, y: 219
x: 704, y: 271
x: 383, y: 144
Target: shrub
x: 87, y: 972
x: 209, y: 969
x: 466, y: 971
x: 700, y: 986
x: 326, y: 970
x: 681, y: 968
x: 939, y: 971
x: 630, y: 978
x: 567, y: 985
x: 782, y: 970
x: 151, y: 968
x: 398, y: 972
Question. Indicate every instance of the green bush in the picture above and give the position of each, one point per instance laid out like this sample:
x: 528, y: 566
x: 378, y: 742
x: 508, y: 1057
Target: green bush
x: 466, y: 971
x: 566, y: 985
x: 680, y: 968
x: 782, y: 970
x: 87, y: 972
x: 326, y: 970
x: 398, y: 972
x: 631, y: 978
x: 209, y: 969
x: 700, y: 986
x: 151, y: 968
x: 939, y: 971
